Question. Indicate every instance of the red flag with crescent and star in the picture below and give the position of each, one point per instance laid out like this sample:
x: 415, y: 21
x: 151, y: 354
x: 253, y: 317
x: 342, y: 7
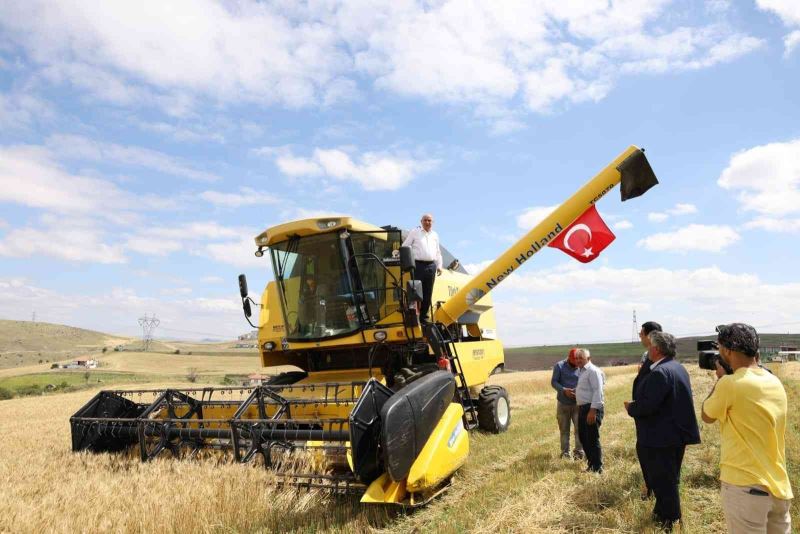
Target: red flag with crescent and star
x: 586, y: 238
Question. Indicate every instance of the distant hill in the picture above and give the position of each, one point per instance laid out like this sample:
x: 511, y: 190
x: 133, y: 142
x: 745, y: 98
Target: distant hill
x: 25, y: 342
x: 543, y: 357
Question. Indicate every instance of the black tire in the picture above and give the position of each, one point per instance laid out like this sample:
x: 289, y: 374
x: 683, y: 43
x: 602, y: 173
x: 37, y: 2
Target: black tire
x: 494, y: 409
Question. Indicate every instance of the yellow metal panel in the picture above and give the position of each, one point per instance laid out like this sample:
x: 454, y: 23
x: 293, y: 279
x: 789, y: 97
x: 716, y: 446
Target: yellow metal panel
x: 305, y: 227
x: 384, y: 490
x: 444, y: 452
x: 532, y: 242
x: 478, y: 359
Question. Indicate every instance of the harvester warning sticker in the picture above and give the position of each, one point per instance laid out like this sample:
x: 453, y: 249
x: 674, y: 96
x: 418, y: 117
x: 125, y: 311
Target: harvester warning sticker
x: 456, y: 432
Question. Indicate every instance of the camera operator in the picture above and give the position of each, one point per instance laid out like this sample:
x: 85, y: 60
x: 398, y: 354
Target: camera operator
x: 751, y: 406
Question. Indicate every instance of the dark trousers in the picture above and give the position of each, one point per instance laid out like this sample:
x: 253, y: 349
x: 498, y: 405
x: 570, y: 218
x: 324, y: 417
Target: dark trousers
x: 590, y: 437
x: 425, y: 272
x: 661, y: 467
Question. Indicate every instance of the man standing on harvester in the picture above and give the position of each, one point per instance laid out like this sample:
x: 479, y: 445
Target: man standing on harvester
x: 424, y: 241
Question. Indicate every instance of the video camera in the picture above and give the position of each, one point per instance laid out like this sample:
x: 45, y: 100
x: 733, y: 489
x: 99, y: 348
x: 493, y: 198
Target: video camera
x: 708, y: 356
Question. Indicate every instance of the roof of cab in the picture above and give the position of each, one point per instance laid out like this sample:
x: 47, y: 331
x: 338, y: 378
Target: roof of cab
x: 318, y: 225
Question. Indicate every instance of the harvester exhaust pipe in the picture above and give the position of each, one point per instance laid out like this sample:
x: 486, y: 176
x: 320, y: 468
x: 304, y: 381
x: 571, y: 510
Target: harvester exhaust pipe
x: 631, y: 168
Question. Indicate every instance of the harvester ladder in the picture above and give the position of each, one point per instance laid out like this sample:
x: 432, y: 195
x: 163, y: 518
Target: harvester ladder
x: 450, y: 352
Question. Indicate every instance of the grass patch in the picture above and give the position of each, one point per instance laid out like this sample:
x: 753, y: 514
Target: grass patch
x: 64, y: 381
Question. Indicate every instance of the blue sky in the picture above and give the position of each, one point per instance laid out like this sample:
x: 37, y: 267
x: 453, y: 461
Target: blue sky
x: 143, y: 145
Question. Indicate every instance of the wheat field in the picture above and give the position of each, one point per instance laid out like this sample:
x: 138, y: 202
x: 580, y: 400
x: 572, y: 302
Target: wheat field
x: 513, y: 482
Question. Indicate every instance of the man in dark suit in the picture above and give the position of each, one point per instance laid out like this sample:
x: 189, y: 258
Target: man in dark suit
x: 663, y: 410
x: 644, y: 368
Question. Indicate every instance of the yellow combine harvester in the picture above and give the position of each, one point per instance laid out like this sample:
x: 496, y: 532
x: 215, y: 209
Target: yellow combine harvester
x: 382, y: 402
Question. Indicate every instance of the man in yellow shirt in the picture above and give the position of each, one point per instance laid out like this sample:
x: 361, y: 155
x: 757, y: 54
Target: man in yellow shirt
x: 750, y: 406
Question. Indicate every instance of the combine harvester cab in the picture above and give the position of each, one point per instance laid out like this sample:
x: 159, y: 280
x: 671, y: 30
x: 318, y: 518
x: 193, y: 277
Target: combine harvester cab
x: 375, y: 404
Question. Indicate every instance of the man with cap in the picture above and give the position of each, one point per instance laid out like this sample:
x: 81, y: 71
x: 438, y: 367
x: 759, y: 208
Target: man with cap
x: 751, y: 407
x: 564, y: 381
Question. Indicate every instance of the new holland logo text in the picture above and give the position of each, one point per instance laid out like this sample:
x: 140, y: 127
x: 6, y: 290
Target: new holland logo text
x: 534, y: 247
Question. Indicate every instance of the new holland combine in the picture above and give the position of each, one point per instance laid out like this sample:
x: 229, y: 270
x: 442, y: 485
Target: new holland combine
x: 381, y: 404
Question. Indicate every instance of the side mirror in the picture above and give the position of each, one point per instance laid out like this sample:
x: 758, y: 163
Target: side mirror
x: 243, y: 286
x: 247, y: 310
x: 453, y: 265
x: 406, y: 259
x: 414, y: 290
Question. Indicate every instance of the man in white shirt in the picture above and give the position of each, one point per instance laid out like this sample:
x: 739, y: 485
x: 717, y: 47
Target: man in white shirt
x: 590, y: 399
x: 428, y: 258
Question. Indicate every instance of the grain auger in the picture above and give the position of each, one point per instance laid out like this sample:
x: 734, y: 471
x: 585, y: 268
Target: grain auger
x: 370, y: 401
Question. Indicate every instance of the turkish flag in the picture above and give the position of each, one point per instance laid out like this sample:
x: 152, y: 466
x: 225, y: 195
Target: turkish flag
x: 586, y: 238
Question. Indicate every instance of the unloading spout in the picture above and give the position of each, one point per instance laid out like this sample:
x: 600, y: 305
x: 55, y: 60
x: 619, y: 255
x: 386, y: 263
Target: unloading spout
x: 631, y: 168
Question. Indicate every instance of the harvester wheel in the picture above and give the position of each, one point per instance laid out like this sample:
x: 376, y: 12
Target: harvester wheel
x: 494, y: 409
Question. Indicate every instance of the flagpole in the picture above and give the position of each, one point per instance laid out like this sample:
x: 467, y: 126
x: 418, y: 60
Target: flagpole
x: 532, y: 242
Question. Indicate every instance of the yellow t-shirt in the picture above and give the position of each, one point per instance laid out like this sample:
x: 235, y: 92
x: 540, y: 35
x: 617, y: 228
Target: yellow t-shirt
x: 750, y: 406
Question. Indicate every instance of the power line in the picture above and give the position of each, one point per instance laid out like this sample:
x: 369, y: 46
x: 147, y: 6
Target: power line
x: 148, y: 325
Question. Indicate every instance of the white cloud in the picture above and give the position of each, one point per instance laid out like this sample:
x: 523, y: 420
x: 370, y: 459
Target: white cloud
x: 293, y: 166
x: 183, y: 133
x: 790, y: 42
x: 245, y: 197
x: 622, y: 225
x: 152, y: 247
x: 771, y: 224
x: 581, y: 304
x: 174, y: 291
x: 532, y: 56
x: 198, y: 237
x: 683, y: 209
x: 789, y: 13
x: 20, y: 110
x: 533, y: 216
x: 372, y: 170
x: 717, y: 6
x: 30, y: 176
x: 212, y: 279
x: 708, y: 238
x: 678, y: 209
x: 787, y: 10
x: 83, y: 148
x: 768, y: 178
x: 238, y: 253
x: 63, y: 239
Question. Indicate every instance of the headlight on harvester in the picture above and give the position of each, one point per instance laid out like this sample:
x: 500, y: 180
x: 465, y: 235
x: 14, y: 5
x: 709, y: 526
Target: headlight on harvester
x: 327, y: 224
x: 269, y: 345
x: 380, y: 335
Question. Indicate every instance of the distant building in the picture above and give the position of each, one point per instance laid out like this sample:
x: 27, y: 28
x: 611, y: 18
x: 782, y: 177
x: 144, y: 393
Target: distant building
x: 258, y: 379
x: 249, y: 336
x: 84, y: 363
